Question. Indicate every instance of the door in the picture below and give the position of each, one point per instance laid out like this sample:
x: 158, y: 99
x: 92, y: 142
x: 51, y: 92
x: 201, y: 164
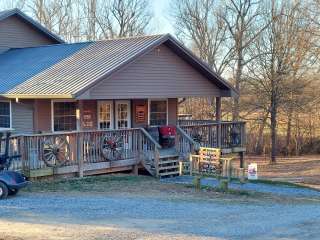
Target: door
x: 123, y: 114
x: 105, y: 115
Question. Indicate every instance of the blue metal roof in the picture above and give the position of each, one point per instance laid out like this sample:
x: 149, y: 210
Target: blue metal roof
x: 18, y: 65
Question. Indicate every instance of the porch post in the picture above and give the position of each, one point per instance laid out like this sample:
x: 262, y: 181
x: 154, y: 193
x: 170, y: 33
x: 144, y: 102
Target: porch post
x: 218, y: 119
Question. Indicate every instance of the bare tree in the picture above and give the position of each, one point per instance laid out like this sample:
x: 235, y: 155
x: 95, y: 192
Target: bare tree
x: 283, y: 52
x: 241, y: 16
x: 12, y: 4
x: 56, y: 15
x: 123, y: 18
x: 199, y: 23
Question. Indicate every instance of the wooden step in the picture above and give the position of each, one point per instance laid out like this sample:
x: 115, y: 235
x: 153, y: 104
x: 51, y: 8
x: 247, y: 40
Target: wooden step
x: 167, y: 174
x: 168, y: 161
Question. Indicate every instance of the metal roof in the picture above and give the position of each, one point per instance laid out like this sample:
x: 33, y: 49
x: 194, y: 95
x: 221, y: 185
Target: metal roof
x: 68, y: 70
x: 11, y: 12
x: 19, y: 65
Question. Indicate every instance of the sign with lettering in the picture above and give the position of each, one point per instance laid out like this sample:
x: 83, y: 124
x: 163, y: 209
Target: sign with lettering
x: 253, y: 171
x: 140, y: 113
x: 87, y: 119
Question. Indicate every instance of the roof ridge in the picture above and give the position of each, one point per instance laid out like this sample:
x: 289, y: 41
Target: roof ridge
x: 91, y: 41
x: 51, y: 45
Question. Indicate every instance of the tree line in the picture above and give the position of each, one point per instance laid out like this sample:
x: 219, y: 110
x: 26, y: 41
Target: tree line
x: 268, y: 49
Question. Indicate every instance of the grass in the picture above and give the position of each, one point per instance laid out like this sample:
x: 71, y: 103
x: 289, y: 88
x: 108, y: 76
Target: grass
x: 130, y: 184
x: 88, y: 184
x: 264, y: 181
x: 281, y: 183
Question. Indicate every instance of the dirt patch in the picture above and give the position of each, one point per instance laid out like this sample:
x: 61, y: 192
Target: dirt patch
x: 304, y: 170
x: 15, y: 231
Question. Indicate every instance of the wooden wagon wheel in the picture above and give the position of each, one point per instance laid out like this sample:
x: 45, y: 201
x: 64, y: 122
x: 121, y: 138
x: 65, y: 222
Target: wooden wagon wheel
x: 55, y: 151
x: 112, y: 147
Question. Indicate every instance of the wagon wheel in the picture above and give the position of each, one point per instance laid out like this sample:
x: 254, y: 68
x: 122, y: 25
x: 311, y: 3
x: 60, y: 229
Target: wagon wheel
x: 112, y: 147
x: 55, y: 151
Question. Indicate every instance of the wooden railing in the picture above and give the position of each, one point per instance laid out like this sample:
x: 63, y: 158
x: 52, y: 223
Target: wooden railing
x: 190, y: 122
x: 138, y: 146
x: 185, y: 144
x: 222, y: 135
x: 84, y: 148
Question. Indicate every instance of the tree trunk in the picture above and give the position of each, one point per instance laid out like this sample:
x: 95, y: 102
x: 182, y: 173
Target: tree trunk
x: 235, y: 113
x: 288, y: 136
x: 273, y: 127
x: 259, y: 147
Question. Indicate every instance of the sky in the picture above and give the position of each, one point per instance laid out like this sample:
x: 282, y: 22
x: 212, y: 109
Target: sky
x: 161, y: 21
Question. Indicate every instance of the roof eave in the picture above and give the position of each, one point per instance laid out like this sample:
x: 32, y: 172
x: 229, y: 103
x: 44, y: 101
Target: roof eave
x: 38, y: 96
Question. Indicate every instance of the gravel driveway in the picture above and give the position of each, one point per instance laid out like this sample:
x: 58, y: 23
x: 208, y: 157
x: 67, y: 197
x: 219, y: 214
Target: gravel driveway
x: 125, y: 216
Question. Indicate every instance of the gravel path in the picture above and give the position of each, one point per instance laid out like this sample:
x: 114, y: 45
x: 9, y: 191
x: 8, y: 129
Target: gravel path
x: 282, y: 190
x: 99, y: 216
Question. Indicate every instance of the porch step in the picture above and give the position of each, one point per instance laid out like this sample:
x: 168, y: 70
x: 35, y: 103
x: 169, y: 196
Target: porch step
x: 168, y: 165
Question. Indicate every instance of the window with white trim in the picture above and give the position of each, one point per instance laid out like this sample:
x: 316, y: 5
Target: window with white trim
x: 158, y: 112
x: 123, y: 114
x: 64, y: 116
x: 105, y: 116
x: 5, y: 114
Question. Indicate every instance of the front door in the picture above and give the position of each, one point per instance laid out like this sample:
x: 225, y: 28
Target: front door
x: 123, y: 114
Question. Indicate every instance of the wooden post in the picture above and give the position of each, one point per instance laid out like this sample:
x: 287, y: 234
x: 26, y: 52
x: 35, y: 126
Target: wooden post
x: 191, y: 165
x: 180, y: 168
x: 135, y: 170
x: 80, y: 154
x: 23, y: 155
x: 218, y: 119
x: 241, y: 155
x: 156, y: 158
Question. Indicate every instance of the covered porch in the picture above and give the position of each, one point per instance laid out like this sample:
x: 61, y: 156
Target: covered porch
x: 114, y: 135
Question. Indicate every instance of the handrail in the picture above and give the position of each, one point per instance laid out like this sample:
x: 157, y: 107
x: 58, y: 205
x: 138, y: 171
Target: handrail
x: 214, y: 123
x: 72, y: 132
x: 150, y: 138
x: 185, y: 135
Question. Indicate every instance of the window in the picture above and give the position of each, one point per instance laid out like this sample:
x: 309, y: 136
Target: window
x: 5, y: 115
x: 64, y: 116
x: 158, y: 112
x: 122, y: 114
x: 105, y: 117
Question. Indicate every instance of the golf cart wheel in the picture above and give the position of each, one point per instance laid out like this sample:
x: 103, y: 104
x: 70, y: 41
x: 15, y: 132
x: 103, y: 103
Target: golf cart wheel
x: 13, y: 192
x: 3, y: 190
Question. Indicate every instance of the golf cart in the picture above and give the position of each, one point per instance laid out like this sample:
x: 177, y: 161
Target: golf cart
x: 10, y: 181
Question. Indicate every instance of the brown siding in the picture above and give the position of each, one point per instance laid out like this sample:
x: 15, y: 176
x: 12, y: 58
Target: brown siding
x: 158, y: 74
x: 14, y: 33
x: 172, y: 110
x: 42, y: 115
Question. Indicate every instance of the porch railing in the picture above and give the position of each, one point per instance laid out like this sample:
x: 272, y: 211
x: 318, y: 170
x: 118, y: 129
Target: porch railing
x: 84, y: 148
x: 222, y: 135
x: 138, y: 146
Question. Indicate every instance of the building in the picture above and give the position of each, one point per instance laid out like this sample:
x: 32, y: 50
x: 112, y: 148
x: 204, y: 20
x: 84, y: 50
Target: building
x: 52, y: 87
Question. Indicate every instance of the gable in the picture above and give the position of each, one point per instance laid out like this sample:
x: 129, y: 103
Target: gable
x: 16, y: 33
x: 159, y: 73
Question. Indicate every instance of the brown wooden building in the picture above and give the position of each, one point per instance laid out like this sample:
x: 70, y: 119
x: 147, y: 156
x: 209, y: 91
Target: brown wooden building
x: 120, y: 86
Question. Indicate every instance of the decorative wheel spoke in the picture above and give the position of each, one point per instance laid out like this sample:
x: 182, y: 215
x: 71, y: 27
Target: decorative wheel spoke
x: 112, y: 147
x: 56, y: 151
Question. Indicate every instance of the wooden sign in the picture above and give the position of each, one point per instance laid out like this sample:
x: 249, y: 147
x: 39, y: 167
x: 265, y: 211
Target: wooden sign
x: 87, y: 119
x: 140, y: 113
